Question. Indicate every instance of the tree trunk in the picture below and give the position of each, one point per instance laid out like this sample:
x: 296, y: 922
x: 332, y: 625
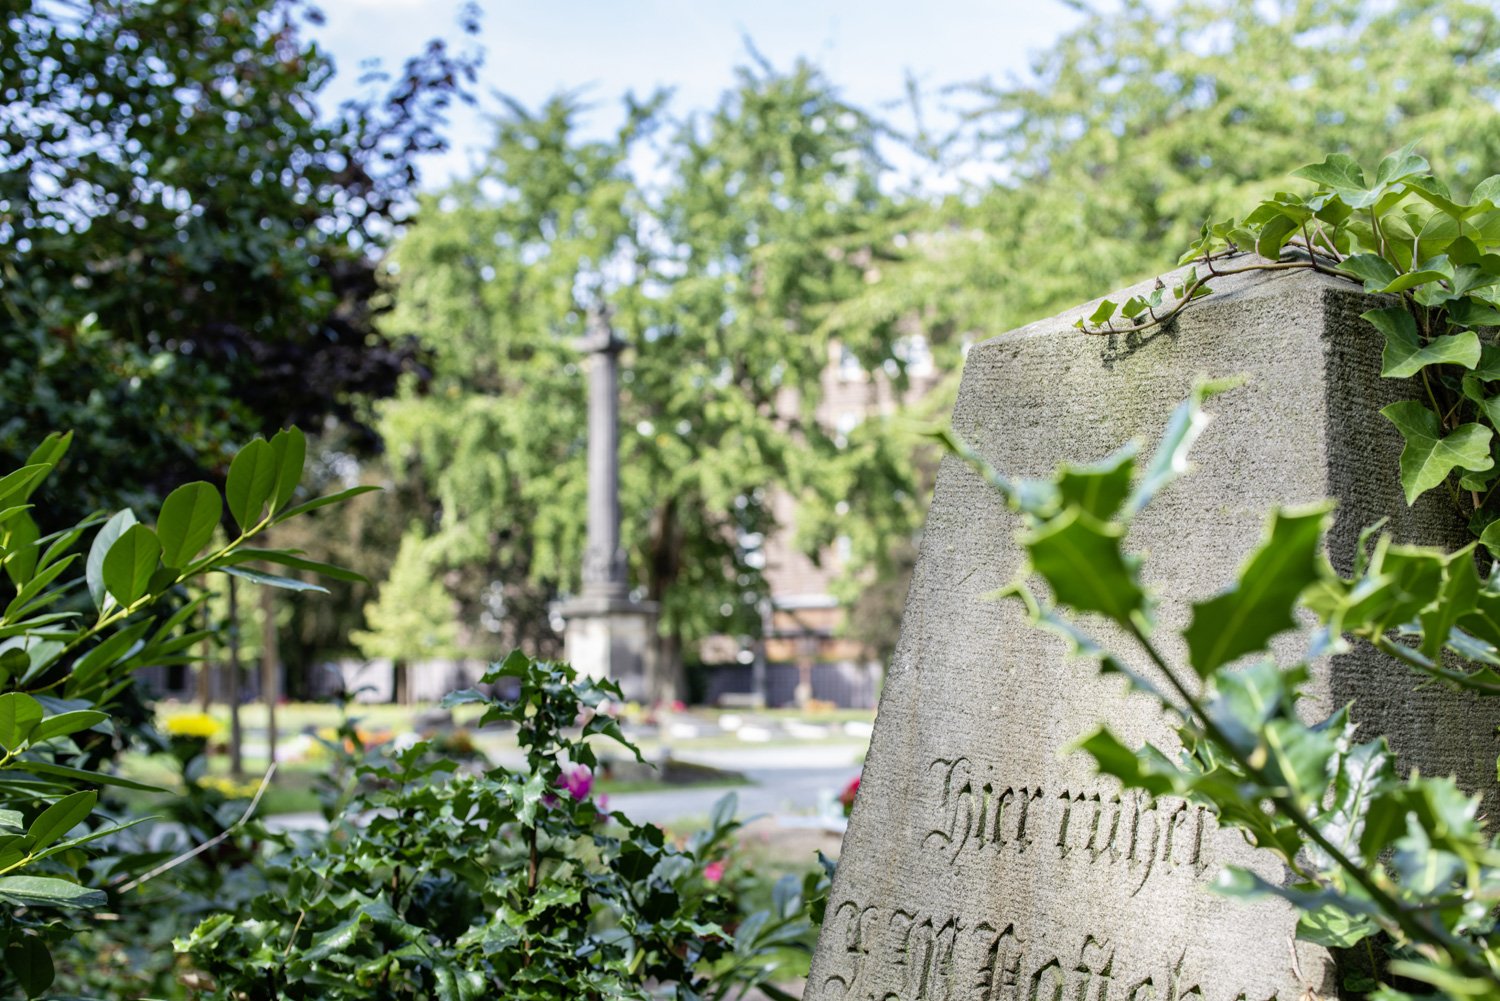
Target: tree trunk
x: 205, y: 666
x: 666, y: 682
x: 400, y: 683
x: 270, y: 669
x: 236, y: 762
x: 670, y: 681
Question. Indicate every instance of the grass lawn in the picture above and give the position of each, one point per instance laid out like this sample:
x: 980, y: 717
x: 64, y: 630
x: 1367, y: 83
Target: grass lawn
x: 291, y: 790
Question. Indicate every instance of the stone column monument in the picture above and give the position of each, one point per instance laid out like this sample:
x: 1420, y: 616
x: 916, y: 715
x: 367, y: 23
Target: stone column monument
x: 984, y: 860
x: 608, y: 635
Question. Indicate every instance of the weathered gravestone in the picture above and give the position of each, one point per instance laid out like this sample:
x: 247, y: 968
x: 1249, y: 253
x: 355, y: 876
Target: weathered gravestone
x: 984, y: 862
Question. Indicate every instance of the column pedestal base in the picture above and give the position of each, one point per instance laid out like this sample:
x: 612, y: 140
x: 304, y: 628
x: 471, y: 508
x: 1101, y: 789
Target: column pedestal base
x: 612, y: 638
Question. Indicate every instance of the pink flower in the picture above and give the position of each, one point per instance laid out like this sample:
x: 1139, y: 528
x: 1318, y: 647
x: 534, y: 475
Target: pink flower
x: 713, y: 872
x: 578, y: 781
x: 678, y: 706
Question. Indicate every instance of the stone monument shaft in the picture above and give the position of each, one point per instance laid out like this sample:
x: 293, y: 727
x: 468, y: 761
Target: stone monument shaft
x: 983, y: 860
x: 604, y: 560
x: 609, y: 635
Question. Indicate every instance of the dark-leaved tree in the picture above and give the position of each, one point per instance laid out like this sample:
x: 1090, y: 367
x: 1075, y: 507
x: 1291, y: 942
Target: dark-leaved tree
x: 185, y: 240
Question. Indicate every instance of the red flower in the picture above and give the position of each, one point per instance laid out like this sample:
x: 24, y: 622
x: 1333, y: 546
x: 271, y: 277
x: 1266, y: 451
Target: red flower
x: 713, y: 872
x: 847, y: 796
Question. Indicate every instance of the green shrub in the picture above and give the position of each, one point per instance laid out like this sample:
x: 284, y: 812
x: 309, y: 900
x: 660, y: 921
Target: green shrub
x: 69, y: 645
x: 452, y: 885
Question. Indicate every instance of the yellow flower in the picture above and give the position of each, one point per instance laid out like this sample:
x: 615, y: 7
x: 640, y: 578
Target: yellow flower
x: 229, y: 787
x: 192, y: 725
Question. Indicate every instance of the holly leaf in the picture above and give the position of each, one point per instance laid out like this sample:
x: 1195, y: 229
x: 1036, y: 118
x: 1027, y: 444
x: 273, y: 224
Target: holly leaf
x: 1429, y: 457
x: 1099, y: 488
x: 1243, y: 619
x: 1170, y: 460
x: 1080, y: 558
x: 1135, y: 771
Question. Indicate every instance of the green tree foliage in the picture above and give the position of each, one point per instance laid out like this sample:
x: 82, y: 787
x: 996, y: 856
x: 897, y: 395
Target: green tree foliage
x: 413, y: 617
x: 1147, y: 120
x: 718, y: 275
x: 184, y: 238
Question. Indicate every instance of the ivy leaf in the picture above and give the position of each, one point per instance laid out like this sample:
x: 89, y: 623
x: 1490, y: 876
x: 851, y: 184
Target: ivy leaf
x: 1429, y: 457
x: 1400, y: 165
x: 1103, y: 313
x: 1404, y: 353
x: 1080, y: 558
x: 188, y: 518
x: 1489, y: 363
x: 1342, y: 173
x: 1273, y: 236
x: 1468, y: 313
x: 1372, y: 269
x: 1243, y: 619
x: 1434, y: 269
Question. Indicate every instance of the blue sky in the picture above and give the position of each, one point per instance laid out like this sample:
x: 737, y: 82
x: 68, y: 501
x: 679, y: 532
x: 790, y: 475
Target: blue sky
x: 534, y: 49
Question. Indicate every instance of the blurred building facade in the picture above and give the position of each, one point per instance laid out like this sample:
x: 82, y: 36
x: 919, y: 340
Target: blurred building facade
x: 802, y: 654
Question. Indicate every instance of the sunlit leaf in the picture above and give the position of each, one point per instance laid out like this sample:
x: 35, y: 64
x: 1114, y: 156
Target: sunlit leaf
x: 1429, y: 456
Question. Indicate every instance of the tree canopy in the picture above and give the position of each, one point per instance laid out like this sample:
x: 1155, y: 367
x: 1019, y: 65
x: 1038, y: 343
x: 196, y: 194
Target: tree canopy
x: 185, y: 236
x: 718, y: 275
